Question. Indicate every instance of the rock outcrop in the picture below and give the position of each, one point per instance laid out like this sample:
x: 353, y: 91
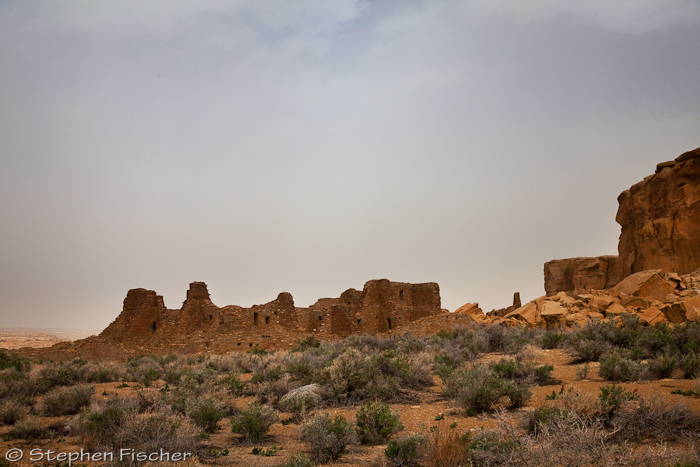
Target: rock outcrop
x: 562, y: 275
x: 660, y: 219
x: 653, y: 296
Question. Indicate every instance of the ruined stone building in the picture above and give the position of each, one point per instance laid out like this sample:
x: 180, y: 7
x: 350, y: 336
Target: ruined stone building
x: 381, y: 306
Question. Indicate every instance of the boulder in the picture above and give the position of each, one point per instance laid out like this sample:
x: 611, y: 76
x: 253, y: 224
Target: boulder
x: 646, y: 284
x: 310, y: 390
x: 471, y: 309
x: 528, y: 313
x: 652, y: 316
x: 563, y: 275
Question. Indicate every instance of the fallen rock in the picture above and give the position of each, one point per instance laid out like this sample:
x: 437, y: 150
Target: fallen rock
x: 646, y: 284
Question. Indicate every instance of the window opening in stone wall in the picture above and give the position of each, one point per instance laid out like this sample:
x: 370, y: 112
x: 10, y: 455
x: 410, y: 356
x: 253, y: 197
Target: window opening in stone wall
x: 358, y: 321
x: 267, y: 320
x: 154, y: 326
x: 388, y: 320
x: 255, y: 319
x: 400, y: 294
x: 211, y: 317
x: 320, y: 318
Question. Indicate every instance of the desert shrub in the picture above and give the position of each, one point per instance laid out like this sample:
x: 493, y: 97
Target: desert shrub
x: 476, y: 388
x: 612, y: 398
x: 327, y: 437
x: 309, y: 342
x: 690, y: 364
x: 551, y: 339
x: 232, y: 383
x: 103, y: 372
x: 11, y: 411
x: 100, y: 425
x: 116, y: 424
x: 405, y: 451
x: 582, y: 371
x: 66, y: 401
x: 354, y: 376
x: 206, y: 412
x: 299, y: 405
x: 661, y: 367
x: 144, y: 369
x: 60, y: 374
x: 446, y: 448
x: 268, y: 374
x: 654, y: 419
x: 489, y: 448
x: 17, y: 385
x: 542, y: 416
x: 270, y: 392
x: 12, y: 360
x: 28, y: 428
x: 254, y: 422
x: 616, y: 366
x: 518, y: 392
x: 301, y: 460
x: 375, y: 423
x: 589, y: 350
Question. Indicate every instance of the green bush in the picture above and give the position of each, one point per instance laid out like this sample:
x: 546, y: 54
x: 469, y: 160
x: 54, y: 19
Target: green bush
x: 661, y: 367
x: 206, y: 413
x: 518, y: 392
x: 551, y: 340
x: 67, y: 401
x: 405, y: 451
x: 300, y: 460
x: 612, y: 398
x: 690, y: 364
x: 476, y: 388
x: 616, y: 366
x: 375, y: 423
x: 254, y: 422
x: 11, y: 360
x: 232, y: 383
x: 28, y: 428
x: 101, y: 424
x: 327, y: 438
x: 588, y: 350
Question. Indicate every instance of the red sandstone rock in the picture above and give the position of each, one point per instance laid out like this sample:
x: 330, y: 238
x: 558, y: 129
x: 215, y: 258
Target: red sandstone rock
x: 646, y: 284
x: 660, y: 219
x: 471, y: 309
x: 579, y: 273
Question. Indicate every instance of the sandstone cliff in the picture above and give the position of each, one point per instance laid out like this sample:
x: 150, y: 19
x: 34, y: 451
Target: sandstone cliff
x: 660, y: 220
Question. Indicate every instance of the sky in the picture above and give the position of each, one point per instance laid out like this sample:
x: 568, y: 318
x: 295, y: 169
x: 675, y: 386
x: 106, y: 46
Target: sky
x: 309, y: 146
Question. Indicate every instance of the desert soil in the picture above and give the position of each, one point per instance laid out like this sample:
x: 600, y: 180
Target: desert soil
x: 418, y: 415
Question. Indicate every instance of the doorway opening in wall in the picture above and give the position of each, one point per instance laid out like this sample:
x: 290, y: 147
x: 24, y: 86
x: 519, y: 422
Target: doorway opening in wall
x: 388, y: 320
x: 267, y: 320
x: 359, y: 321
x: 255, y: 319
x: 154, y: 326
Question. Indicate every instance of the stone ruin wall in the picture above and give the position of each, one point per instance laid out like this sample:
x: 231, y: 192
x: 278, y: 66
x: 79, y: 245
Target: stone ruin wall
x: 381, y: 306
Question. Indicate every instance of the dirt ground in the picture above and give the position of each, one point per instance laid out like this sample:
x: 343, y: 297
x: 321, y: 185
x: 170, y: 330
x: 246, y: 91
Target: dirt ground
x: 428, y: 410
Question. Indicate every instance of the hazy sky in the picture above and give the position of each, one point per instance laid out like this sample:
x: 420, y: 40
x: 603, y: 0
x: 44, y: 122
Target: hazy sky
x: 310, y: 146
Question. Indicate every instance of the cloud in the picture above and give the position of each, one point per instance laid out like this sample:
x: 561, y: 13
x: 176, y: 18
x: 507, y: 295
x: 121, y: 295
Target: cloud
x: 629, y: 16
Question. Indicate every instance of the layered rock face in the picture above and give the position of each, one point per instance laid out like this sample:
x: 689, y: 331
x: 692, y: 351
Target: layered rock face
x: 660, y: 219
x: 579, y: 273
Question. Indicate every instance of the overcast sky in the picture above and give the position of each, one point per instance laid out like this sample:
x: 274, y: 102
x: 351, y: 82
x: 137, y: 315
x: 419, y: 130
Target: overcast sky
x: 310, y: 146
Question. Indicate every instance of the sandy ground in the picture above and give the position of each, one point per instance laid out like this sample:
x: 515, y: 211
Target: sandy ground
x: 417, y: 416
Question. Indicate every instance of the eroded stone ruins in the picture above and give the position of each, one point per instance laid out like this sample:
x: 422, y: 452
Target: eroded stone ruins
x: 656, y: 276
